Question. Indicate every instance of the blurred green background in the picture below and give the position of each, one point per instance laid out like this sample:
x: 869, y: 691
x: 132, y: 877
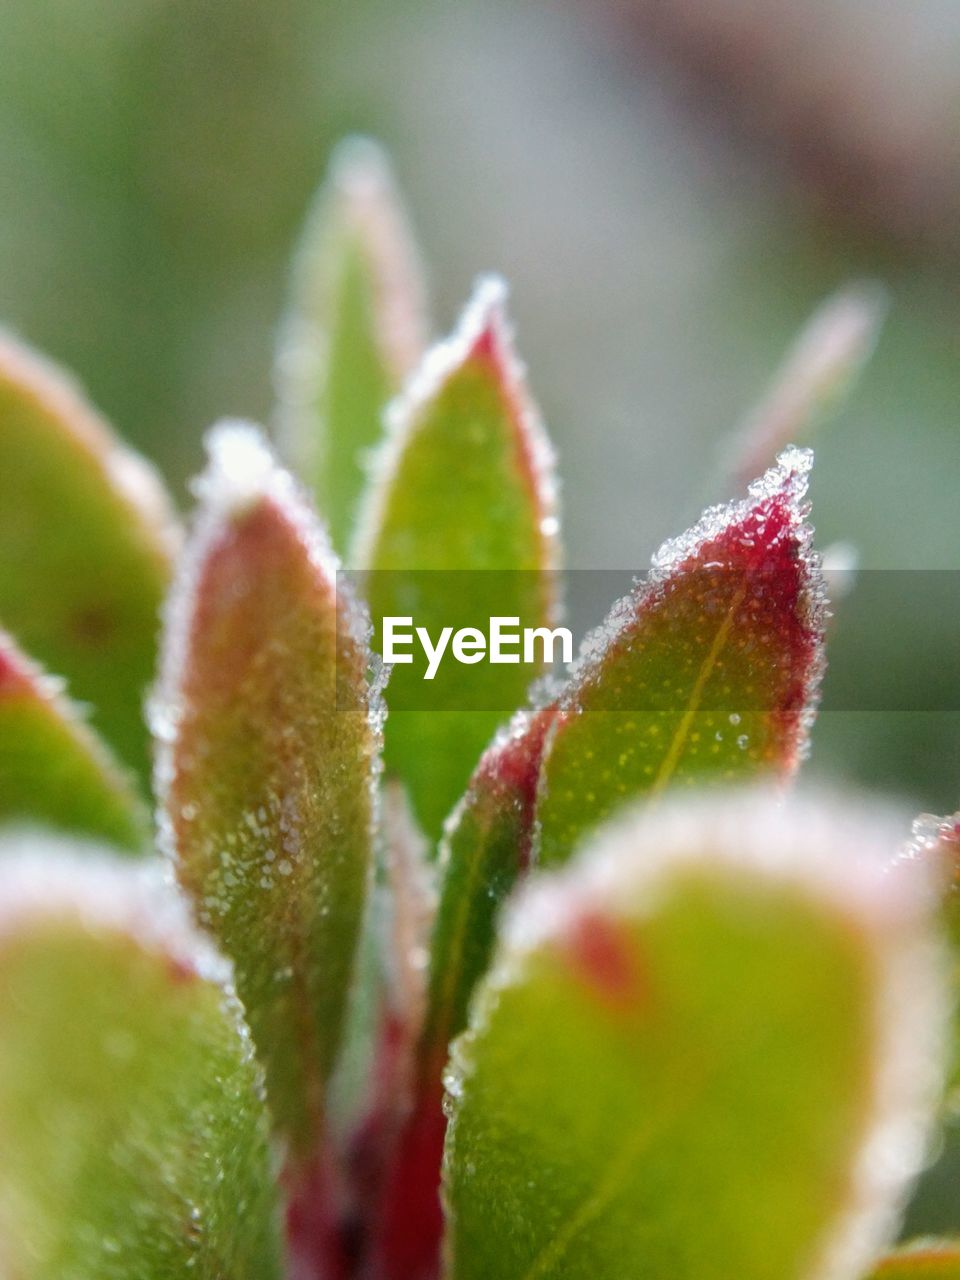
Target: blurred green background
x: 669, y: 185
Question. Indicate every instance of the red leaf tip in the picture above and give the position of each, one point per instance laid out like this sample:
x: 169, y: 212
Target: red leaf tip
x: 242, y: 474
x: 14, y: 673
x: 512, y: 761
x: 243, y: 482
x: 21, y: 677
x: 484, y: 338
x: 766, y: 535
x: 775, y: 509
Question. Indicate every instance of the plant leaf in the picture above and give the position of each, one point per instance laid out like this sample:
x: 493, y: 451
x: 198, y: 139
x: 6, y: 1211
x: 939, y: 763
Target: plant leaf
x: 53, y: 768
x: 921, y: 1260
x: 268, y: 736
x: 131, y: 1119
x: 485, y: 847
x: 820, y: 370
x: 461, y: 528
x: 708, y: 671
x: 354, y: 330
x: 723, y: 1004
x: 86, y: 540
x: 597, y: 744
x: 935, y: 842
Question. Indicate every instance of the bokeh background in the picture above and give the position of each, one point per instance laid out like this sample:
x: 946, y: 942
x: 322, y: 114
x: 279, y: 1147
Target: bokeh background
x: 669, y: 185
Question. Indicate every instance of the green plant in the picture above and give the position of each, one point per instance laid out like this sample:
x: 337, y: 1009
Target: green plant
x: 705, y: 1037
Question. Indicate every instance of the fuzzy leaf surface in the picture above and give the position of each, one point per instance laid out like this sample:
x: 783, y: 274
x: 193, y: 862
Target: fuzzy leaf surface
x: 707, y: 672
x: 86, y: 540
x: 268, y: 747
x: 460, y: 528
x: 723, y: 1004
x: 354, y: 331
x: 53, y: 768
x: 131, y: 1118
x: 487, y: 846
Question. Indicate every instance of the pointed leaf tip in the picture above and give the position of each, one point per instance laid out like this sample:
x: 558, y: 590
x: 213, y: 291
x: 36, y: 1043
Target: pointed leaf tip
x: 460, y: 526
x: 487, y: 846
x: 821, y: 367
x: 725, y: 1002
x: 86, y: 541
x: 708, y: 671
x: 131, y: 1115
x: 444, y: 400
x: 354, y: 330
x: 53, y: 768
x: 268, y: 736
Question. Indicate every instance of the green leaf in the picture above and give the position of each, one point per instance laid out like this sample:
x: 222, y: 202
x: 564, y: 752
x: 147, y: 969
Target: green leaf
x: 487, y: 845
x: 935, y: 842
x: 921, y: 1260
x: 354, y: 330
x: 53, y: 768
x: 709, y: 1048
x: 268, y: 737
x: 731, y: 617
x: 86, y: 539
x: 820, y: 370
x: 131, y: 1119
x: 707, y: 672
x: 462, y: 527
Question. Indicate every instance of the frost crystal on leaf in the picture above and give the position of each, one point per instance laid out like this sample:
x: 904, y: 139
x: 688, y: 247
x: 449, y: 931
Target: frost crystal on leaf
x: 708, y: 670
x: 267, y: 724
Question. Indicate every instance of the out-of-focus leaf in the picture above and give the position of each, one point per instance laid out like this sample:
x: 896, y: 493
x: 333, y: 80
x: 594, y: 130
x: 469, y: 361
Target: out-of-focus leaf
x: 708, y: 671
x: 53, y: 768
x: 131, y: 1114
x: 268, y: 733
x: 461, y: 528
x: 820, y: 369
x: 86, y: 539
x: 922, y: 1260
x: 935, y: 842
x: 354, y: 331
x: 708, y: 1049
